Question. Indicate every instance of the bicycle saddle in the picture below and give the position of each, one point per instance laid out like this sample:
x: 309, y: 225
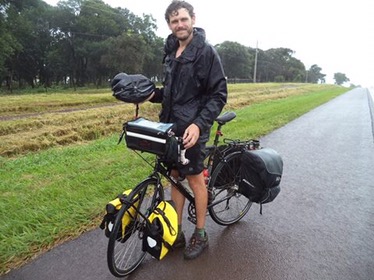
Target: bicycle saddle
x: 225, y: 117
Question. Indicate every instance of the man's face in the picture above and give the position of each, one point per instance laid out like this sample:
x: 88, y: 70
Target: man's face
x: 181, y: 24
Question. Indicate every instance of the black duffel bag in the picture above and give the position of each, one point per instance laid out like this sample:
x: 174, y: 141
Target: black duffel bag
x: 261, y: 172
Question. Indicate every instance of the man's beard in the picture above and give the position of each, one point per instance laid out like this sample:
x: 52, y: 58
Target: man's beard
x: 184, y: 37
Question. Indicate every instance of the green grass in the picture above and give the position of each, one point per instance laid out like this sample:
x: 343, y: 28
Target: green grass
x: 261, y: 118
x: 55, y: 195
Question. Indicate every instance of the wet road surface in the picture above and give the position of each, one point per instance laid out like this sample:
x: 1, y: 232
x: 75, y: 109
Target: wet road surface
x: 321, y: 226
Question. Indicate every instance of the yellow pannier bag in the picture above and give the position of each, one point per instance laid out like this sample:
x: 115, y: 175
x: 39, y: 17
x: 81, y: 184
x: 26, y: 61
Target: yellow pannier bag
x: 128, y: 218
x: 162, y: 230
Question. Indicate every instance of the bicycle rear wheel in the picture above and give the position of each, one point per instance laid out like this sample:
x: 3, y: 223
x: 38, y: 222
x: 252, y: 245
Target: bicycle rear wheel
x: 228, y: 205
x: 125, y: 252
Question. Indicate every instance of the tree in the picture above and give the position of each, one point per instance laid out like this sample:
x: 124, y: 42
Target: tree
x: 78, y: 42
x: 126, y: 54
x: 314, y: 75
x: 27, y: 29
x: 296, y: 70
x: 8, y: 46
x: 273, y: 65
x: 340, y: 78
x: 280, y: 66
x: 277, y: 63
x: 236, y: 60
x: 83, y: 42
x: 104, y: 41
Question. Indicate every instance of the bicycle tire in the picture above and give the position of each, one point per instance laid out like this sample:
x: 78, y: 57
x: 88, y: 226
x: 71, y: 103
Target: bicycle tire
x: 228, y: 205
x: 125, y: 254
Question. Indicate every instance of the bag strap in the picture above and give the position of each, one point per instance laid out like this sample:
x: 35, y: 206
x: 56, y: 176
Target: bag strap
x: 102, y: 225
x: 167, y: 245
x: 167, y: 221
x: 264, y: 199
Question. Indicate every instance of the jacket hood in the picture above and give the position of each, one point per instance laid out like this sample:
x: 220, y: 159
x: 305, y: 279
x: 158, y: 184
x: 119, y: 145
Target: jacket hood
x: 172, y: 42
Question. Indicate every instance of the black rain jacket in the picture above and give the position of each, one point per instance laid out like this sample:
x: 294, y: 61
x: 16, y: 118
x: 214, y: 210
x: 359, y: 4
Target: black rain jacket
x: 194, y: 87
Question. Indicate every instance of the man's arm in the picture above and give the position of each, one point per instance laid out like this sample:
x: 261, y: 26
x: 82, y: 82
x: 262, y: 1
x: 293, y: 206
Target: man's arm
x: 216, y: 93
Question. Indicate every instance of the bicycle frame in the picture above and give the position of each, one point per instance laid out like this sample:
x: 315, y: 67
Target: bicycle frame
x: 211, y: 152
x: 160, y: 169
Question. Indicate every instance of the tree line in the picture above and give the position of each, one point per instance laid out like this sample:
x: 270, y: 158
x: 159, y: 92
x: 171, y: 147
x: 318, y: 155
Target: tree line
x: 86, y: 42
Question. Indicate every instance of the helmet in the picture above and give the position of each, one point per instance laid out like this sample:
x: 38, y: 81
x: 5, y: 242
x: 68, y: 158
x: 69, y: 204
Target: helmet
x: 132, y: 88
x: 162, y: 230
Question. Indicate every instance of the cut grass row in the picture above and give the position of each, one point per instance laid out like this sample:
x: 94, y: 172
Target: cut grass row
x: 60, y: 119
x: 55, y: 195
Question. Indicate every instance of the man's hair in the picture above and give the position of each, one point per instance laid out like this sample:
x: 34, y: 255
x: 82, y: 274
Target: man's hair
x: 174, y: 6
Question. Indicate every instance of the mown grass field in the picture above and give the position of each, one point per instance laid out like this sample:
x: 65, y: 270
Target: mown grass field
x: 35, y: 122
x: 60, y: 162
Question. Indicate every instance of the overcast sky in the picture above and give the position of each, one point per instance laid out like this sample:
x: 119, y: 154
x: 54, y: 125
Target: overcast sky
x: 338, y: 36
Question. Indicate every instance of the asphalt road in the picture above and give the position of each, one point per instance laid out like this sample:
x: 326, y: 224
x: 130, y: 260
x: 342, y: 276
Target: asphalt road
x: 321, y: 226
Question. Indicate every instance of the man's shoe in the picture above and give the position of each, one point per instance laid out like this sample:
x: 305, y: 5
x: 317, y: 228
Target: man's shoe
x: 196, y: 246
x: 180, y: 242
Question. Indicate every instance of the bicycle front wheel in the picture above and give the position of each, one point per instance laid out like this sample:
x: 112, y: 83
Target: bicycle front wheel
x: 125, y: 251
x: 228, y: 205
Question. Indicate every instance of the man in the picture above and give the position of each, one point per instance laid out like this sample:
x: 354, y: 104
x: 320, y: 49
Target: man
x: 193, y: 95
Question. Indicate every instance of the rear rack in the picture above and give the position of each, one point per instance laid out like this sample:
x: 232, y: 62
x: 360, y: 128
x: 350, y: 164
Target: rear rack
x: 250, y: 144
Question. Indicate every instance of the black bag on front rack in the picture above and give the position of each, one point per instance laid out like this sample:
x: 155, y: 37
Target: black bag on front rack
x: 261, y: 172
x: 152, y: 137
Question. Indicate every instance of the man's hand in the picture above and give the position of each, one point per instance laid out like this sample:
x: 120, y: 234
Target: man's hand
x: 149, y: 98
x: 191, y: 135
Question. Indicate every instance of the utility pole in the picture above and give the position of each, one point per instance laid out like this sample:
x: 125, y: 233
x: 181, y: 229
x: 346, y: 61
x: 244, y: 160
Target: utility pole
x: 255, y: 70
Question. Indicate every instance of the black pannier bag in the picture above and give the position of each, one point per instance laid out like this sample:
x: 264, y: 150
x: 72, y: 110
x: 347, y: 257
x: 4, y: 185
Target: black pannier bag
x: 153, y: 137
x: 229, y: 170
x: 261, y: 172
